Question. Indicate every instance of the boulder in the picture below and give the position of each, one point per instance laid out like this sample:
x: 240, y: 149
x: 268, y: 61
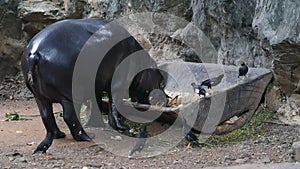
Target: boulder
x: 289, y: 112
x: 36, y: 15
x: 286, y: 66
x: 274, y: 97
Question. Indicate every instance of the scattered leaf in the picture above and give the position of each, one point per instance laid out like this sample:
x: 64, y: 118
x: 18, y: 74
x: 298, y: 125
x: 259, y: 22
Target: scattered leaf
x: 13, y: 116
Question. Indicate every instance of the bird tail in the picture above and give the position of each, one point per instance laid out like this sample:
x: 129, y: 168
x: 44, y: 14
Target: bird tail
x: 197, y: 143
x: 131, y: 153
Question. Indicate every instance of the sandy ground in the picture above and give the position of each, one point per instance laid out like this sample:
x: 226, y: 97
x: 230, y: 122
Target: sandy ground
x: 18, y: 139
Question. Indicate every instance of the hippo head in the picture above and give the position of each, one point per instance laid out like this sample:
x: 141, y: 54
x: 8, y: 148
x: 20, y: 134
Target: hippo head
x: 144, y: 83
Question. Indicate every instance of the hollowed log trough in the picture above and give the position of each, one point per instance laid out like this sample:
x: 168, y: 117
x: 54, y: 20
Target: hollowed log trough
x: 229, y: 97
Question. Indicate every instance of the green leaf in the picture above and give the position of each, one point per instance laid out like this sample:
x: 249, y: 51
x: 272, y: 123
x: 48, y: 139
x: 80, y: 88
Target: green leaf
x: 13, y: 116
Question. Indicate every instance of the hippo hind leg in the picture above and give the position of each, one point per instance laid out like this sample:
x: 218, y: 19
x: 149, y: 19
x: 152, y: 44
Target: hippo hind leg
x: 73, y: 123
x: 46, y: 111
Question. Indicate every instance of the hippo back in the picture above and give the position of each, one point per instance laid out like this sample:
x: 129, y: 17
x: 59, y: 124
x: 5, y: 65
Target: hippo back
x: 57, y: 48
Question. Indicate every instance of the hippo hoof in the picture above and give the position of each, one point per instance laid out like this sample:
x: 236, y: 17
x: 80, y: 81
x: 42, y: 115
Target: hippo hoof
x: 82, y: 137
x: 91, y: 135
x: 59, y: 134
x: 122, y: 126
x: 41, y: 148
x: 118, y: 125
x: 95, y: 123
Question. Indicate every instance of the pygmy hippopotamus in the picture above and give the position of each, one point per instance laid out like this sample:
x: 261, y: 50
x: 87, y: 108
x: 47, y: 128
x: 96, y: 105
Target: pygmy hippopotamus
x: 49, y: 65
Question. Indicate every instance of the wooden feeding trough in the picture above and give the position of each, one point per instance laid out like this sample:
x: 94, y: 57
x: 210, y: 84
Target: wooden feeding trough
x: 231, y: 103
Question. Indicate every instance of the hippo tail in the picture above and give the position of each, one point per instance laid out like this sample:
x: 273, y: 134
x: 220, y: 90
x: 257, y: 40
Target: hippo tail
x: 33, y: 60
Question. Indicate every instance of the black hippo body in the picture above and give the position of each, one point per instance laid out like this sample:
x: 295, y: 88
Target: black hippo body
x: 48, y: 65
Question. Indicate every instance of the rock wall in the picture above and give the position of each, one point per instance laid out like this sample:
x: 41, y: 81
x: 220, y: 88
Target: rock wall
x: 228, y: 23
x: 277, y: 21
x: 11, y: 45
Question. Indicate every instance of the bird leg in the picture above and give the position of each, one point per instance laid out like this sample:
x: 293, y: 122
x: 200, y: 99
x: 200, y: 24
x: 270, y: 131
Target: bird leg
x: 188, y: 146
x: 47, y: 156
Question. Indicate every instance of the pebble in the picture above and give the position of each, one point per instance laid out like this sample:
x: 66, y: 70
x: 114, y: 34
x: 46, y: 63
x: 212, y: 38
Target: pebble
x: 264, y: 160
x: 11, y: 159
x: 22, y: 160
x: 241, y: 160
x: 175, y: 162
x: 296, y: 151
x: 117, y: 138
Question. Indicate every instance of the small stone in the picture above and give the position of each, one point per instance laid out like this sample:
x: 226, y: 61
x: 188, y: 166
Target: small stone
x: 117, y: 138
x: 265, y: 160
x: 296, y: 151
x: 241, y: 160
x: 11, y: 159
x: 22, y: 160
x: 176, y: 162
x: 228, y: 159
x: 30, y: 143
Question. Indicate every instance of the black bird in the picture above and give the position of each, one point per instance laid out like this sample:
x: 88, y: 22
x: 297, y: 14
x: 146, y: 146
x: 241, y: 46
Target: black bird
x: 243, y: 69
x: 199, y: 89
x: 139, y: 142
x: 207, y: 83
x: 212, y: 81
x: 188, y: 134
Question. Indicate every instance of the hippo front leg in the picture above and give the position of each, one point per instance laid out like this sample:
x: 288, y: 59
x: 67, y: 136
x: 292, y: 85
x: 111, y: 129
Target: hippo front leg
x: 46, y: 111
x: 115, y: 119
x: 45, y: 144
x: 73, y: 123
x: 96, y: 118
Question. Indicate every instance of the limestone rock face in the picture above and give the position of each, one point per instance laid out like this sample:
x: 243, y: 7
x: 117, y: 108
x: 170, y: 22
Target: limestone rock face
x: 36, y: 15
x: 277, y: 20
x: 11, y: 45
x: 228, y: 24
x: 289, y: 113
x: 112, y: 9
x: 286, y: 66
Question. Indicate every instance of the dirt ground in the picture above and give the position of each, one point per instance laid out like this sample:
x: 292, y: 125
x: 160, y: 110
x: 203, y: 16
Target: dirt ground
x: 18, y: 139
